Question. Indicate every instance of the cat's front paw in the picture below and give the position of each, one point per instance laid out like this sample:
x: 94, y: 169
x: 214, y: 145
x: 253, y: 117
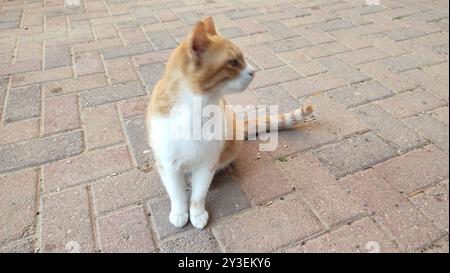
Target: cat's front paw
x: 179, y: 219
x: 199, y: 220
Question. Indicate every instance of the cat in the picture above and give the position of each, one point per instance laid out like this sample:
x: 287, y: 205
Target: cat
x: 203, y: 68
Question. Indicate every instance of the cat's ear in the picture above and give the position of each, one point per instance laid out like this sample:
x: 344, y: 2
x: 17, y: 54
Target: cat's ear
x: 209, y: 25
x: 199, y: 40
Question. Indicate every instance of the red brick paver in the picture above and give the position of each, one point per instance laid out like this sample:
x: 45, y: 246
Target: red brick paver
x: 369, y: 175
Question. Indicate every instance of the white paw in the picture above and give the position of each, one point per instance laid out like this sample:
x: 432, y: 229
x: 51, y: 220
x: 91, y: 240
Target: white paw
x: 179, y: 219
x: 199, y: 220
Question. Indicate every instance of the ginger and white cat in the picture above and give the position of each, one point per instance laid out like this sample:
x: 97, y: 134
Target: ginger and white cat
x: 204, y: 68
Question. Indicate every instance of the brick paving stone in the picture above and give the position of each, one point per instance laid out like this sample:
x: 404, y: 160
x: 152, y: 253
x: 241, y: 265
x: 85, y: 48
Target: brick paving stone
x: 23, y: 103
x: 262, y: 38
x: 263, y: 57
x: 61, y: 114
x: 37, y: 77
x: 19, y: 131
x: 132, y: 187
x: 369, y: 70
x: 109, y: 94
x: 439, y: 71
x: 20, y: 67
x: 301, y: 62
x: 401, y: 34
x: 390, y: 128
x: 428, y: 83
x: 440, y: 246
x: 441, y: 114
x: 325, y: 50
x: 88, y: 63
x: 39, y: 150
x: 104, y: 31
x: 139, y: 145
x: 433, y: 130
x: 133, y: 35
x: 74, y: 85
x: 133, y: 107
x: 288, y: 44
x: 319, y: 189
x: 415, y: 170
x: 162, y: 40
x: 361, y: 236
x: 18, y: 205
x: 120, y: 70
x: 434, y: 204
x: 198, y: 241
x: 327, y: 128
x: 334, y: 25
x: 393, y: 212
x: 407, y: 62
x: 279, y: 30
x: 276, y: 95
x: 268, y: 228
x: 61, y: 233
x: 86, y: 167
x: 28, y: 51
x: 343, y: 70
x: 151, y: 74
x: 151, y: 57
x: 409, y: 103
x: 313, y: 85
x: 395, y: 82
x: 361, y: 93
x: 57, y: 56
x: 355, y: 153
x: 125, y: 231
x: 274, y: 76
x: 314, y: 35
x: 232, y: 32
x: 102, y: 126
x: 365, y: 55
x: 116, y: 52
x: 22, y: 247
x: 256, y: 176
x: 96, y: 45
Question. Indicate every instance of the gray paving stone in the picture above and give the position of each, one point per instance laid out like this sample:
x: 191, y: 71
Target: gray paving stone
x: 57, y: 56
x: 289, y: 44
x: 151, y: 74
x: 355, y: 153
x: 23, y: 103
x: 132, y: 49
x: 162, y: 40
x: 389, y: 127
x: 137, y: 136
x: 109, y: 94
x: 343, y: 70
x: 361, y: 93
x: 40, y: 150
x: 430, y: 128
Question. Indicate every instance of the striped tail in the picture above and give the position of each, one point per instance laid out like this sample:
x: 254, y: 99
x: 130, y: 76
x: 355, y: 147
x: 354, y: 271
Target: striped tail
x: 283, y: 121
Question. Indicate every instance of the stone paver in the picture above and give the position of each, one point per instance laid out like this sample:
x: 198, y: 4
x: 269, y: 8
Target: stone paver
x: 368, y: 174
x: 125, y: 231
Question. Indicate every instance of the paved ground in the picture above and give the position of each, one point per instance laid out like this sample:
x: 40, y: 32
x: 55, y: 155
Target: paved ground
x: 370, y: 175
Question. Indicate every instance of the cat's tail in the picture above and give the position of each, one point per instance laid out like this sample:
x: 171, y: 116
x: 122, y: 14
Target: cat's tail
x: 278, y: 122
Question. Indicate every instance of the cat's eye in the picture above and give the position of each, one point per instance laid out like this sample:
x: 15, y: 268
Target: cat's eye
x: 233, y: 63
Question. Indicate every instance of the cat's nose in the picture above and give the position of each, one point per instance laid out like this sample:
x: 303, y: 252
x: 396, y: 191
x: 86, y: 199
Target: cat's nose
x: 250, y: 70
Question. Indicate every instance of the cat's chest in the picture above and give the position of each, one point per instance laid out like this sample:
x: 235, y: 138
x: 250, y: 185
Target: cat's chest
x: 177, y: 138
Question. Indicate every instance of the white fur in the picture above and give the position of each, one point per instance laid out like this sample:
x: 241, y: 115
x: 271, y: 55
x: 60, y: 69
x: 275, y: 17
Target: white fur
x: 178, y: 157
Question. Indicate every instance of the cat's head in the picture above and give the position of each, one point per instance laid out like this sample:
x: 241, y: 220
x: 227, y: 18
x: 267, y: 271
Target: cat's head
x: 215, y: 64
